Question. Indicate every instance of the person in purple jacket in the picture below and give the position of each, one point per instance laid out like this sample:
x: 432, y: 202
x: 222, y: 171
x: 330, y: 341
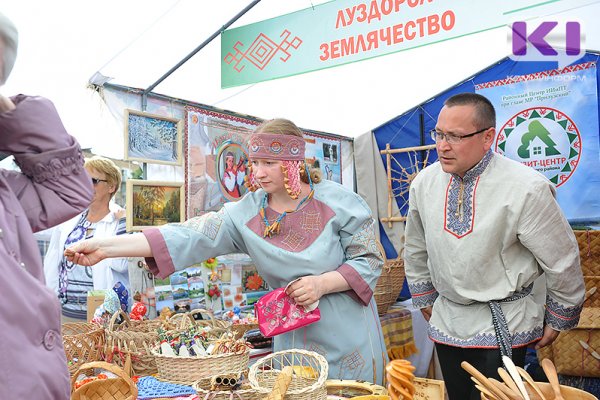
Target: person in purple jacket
x: 51, y: 188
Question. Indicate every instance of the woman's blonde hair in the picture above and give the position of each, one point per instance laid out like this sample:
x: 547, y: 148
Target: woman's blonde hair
x: 108, y: 168
x: 282, y: 126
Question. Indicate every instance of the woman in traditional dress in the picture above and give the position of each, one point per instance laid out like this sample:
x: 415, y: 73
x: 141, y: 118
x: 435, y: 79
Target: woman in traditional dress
x: 293, y: 225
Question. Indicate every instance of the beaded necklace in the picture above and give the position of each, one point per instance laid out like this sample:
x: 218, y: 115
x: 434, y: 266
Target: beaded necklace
x: 271, y: 230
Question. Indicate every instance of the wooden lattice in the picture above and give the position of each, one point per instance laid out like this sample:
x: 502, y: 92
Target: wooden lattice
x: 400, y: 174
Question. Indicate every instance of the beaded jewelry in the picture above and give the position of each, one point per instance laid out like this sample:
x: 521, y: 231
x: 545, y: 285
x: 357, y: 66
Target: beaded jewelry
x: 291, y: 174
x: 271, y: 230
x: 249, y: 180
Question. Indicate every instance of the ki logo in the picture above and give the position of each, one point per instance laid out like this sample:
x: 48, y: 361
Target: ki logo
x: 562, y: 42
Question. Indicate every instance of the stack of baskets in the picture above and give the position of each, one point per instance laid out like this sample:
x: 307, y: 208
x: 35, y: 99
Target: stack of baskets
x: 83, y: 343
x: 132, y: 341
x: 389, y: 283
x: 572, y: 351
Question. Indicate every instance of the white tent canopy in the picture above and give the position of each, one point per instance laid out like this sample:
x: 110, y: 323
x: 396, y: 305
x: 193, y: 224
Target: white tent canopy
x: 137, y: 41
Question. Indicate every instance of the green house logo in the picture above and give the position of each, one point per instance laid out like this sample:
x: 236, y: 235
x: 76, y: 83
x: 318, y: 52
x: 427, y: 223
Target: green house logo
x: 543, y: 138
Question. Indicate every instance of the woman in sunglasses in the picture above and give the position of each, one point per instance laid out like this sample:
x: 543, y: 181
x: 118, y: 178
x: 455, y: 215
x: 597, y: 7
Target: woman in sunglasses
x: 102, y: 218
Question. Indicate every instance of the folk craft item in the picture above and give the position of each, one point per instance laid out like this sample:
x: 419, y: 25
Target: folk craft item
x: 400, y: 377
x: 281, y: 384
x: 492, y: 389
x: 307, y: 382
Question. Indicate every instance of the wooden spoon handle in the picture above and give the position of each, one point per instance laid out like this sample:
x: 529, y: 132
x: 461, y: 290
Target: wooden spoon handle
x: 550, y: 371
x: 483, y: 380
x: 509, y: 381
x: 531, y: 382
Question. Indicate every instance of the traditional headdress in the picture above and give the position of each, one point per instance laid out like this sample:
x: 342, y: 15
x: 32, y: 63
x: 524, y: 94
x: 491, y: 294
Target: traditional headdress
x: 290, y: 150
x: 287, y: 148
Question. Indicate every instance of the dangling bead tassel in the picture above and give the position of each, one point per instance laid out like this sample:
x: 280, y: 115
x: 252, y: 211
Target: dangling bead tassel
x: 272, y: 229
x: 291, y: 178
x: 250, y: 181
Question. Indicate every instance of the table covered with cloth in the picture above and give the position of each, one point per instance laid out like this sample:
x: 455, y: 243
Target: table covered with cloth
x: 398, y: 332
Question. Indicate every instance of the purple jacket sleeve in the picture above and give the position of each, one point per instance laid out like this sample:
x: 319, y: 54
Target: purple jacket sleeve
x: 53, y: 185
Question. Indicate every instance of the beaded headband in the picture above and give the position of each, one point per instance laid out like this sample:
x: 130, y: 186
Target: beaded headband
x: 269, y: 146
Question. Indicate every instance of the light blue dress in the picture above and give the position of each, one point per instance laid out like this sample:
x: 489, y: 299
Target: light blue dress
x: 334, y: 231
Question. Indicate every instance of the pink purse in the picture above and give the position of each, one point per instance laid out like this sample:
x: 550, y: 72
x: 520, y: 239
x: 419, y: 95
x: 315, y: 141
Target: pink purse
x: 277, y: 313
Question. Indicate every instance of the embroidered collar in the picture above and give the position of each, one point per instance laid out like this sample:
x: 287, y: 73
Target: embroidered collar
x: 478, y: 169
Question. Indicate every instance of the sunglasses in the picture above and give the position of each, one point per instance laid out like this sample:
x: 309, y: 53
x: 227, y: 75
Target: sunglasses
x: 95, y: 181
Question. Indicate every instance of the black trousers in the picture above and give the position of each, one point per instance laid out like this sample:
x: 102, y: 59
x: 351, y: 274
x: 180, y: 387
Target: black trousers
x: 458, y: 381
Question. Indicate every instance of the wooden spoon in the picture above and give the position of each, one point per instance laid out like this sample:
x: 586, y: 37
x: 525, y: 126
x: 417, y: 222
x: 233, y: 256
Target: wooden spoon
x: 507, y: 390
x: 512, y: 370
x: 531, y: 382
x: 509, y: 382
x: 550, y: 370
x: 487, y: 393
x: 484, y: 381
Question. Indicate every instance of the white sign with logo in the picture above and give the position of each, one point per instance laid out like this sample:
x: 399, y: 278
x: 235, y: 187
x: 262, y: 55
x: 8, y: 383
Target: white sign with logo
x: 549, y: 121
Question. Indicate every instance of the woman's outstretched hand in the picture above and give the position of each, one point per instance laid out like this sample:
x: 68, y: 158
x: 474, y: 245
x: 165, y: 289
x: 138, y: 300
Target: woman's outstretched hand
x: 86, y: 253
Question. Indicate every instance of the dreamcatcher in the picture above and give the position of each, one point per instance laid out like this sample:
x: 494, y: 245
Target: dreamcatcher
x: 402, y: 166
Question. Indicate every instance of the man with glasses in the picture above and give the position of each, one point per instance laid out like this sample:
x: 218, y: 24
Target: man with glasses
x: 480, y: 229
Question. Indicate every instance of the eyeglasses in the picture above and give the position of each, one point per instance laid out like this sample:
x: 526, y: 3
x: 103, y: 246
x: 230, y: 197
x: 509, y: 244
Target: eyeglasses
x: 95, y: 181
x: 451, y: 138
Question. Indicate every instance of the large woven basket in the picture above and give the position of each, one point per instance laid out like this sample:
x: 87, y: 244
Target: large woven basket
x: 308, y: 380
x: 187, y: 370
x: 203, y: 388
x: 589, y: 251
x: 132, y: 341
x: 389, y: 283
x: 83, y: 343
x: 120, y: 388
x: 568, y: 351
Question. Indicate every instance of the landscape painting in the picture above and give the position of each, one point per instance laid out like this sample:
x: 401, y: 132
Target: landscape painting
x: 151, y: 203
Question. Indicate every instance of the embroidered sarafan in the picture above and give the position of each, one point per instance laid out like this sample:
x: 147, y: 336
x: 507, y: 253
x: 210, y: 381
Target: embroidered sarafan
x: 298, y: 230
x: 334, y: 231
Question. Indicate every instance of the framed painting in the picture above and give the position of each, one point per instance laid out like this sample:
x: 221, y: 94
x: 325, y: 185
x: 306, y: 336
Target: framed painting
x: 152, y: 203
x: 231, y: 170
x: 152, y: 138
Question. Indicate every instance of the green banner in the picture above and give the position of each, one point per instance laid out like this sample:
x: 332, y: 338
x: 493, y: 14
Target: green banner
x: 340, y: 32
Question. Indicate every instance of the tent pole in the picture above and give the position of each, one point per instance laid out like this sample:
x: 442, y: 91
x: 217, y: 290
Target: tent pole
x: 196, y: 50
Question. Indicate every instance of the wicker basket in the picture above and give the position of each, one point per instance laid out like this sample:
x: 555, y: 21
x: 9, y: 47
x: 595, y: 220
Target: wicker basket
x: 184, y: 321
x: 389, y: 283
x: 567, y: 352
x: 83, y: 343
x: 120, y: 388
x: 589, y: 251
x: 187, y: 370
x: 308, y: 381
x: 202, y: 387
x: 132, y: 341
x: 570, y: 356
